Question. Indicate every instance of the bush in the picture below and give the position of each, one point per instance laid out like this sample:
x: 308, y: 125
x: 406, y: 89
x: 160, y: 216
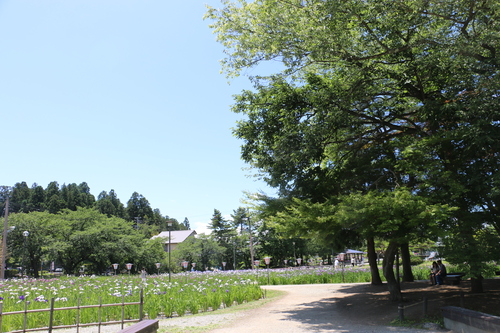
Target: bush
x: 416, y: 260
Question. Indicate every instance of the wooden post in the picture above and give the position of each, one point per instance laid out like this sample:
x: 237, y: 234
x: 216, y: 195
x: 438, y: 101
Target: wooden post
x: 51, y: 317
x: 425, y: 306
x: 78, y: 316
x: 141, y: 305
x: 123, y: 309
x: 25, y: 322
x: 1, y: 311
x: 401, y: 312
x: 99, y: 315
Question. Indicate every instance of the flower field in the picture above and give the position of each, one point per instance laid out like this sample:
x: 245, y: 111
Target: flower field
x: 186, y: 293
x: 189, y: 292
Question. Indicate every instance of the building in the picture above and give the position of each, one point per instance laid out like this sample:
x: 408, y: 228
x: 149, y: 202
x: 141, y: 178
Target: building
x: 178, y: 236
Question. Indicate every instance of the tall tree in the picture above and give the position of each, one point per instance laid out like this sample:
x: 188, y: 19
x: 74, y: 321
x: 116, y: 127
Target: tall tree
x: 53, y: 201
x: 139, y: 209
x: 223, y: 233
x: 37, y: 199
x: 20, y: 198
x: 412, y: 92
x: 186, y: 224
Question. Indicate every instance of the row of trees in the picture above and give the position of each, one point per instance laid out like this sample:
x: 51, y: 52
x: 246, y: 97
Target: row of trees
x: 84, y: 237
x: 377, y: 125
x: 54, y: 199
x: 241, y: 239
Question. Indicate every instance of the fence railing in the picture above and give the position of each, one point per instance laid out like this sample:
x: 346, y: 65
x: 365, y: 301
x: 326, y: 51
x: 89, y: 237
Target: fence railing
x: 78, y: 308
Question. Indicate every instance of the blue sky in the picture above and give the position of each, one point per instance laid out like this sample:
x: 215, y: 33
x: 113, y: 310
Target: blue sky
x: 123, y: 95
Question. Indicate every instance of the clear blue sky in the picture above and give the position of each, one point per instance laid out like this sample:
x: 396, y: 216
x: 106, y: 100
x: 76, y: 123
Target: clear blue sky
x: 123, y: 95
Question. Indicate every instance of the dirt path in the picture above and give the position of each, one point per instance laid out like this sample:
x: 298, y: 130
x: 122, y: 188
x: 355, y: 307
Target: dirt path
x: 310, y: 308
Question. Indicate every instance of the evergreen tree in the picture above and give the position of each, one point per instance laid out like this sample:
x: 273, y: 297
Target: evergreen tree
x: 37, y: 200
x: 20, y: 198
x: 186, y: 224
x: 139, y: 209
x: 53, y: 202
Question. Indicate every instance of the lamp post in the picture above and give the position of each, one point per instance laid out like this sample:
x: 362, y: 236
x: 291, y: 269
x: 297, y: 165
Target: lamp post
x: 158, y: 267
x: 285, y: 261
x: 234, y: 254
x: 299, y: 261
x: 224, y: 265
x: 115, y: 267
x: 268, y: 261
x: 129, y: 267
x: 185, y: 265
x: 169, y: 250
x: 294, y: 256
x: 25, y: 234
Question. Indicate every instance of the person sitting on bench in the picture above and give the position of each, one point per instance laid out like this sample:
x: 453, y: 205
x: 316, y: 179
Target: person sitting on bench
x: 441, y: 273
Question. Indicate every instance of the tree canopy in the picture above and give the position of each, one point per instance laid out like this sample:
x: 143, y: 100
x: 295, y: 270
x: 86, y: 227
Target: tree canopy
x: 369, y: 99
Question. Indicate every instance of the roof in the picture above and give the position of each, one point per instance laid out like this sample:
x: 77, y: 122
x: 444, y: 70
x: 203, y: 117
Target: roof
x: 353, y: 251
x: 178, y: 236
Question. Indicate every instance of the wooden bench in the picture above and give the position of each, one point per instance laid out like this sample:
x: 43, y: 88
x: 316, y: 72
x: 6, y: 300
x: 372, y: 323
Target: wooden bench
x: 144, y: 326
x: 453, y: 278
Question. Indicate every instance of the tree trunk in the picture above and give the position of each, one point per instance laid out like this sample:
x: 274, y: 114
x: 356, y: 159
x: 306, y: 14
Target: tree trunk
x: 405, y: 258
x: 372, y: 260
x: 387, y: 266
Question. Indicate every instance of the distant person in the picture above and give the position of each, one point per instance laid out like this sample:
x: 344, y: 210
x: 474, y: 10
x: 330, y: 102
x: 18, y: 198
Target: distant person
x: 143, y: 273
x: 441, y: 273
x: 353, y: 261
x: 336, y: 263
x: 434, y: 270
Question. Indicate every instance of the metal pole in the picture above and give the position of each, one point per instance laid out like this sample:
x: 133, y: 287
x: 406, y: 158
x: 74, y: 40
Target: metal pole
x: 169, y: 253
x: 234, y: 255
x: 4, y: 238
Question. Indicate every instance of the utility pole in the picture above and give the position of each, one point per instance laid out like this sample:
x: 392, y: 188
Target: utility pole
x: 251, y: 241
x: 4, y: 238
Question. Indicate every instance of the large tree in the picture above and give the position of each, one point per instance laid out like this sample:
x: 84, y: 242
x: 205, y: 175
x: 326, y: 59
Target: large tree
x: 369, y: 98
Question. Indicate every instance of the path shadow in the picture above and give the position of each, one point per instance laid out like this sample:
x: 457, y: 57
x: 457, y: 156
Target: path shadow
x: 369, y: 305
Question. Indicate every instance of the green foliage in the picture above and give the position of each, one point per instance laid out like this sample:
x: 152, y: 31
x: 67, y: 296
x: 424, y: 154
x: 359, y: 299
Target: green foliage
x: 475, y: 253
x: 202, y: 250
x: 416, y: 260
x: 368, y: 101
x: 81, y: 237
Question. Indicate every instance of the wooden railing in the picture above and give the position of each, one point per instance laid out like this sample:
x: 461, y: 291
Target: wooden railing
x: 52, y: 309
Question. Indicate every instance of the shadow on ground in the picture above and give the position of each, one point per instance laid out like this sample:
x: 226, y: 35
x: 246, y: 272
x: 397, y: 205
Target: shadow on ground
x: 366, y: 304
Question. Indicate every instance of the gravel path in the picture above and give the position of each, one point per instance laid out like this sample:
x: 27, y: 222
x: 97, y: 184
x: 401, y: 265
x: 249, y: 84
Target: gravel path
x: 304, y: 308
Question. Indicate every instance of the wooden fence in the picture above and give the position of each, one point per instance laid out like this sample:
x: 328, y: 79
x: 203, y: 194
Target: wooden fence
x: 99, y: 323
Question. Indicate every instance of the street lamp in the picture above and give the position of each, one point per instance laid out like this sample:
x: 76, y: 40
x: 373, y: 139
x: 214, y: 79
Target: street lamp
x: 223, y: 265
x: 25, y: 234
x: 129, y: 267
x: 115, y: 267
x: 268, y: 261
x: 158, y: 267
x: 169, y: 250
x: 185, y: 265
x: 299, y: 261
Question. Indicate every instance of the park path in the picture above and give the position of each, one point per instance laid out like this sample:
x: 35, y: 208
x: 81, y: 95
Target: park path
x: 305, y: 308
